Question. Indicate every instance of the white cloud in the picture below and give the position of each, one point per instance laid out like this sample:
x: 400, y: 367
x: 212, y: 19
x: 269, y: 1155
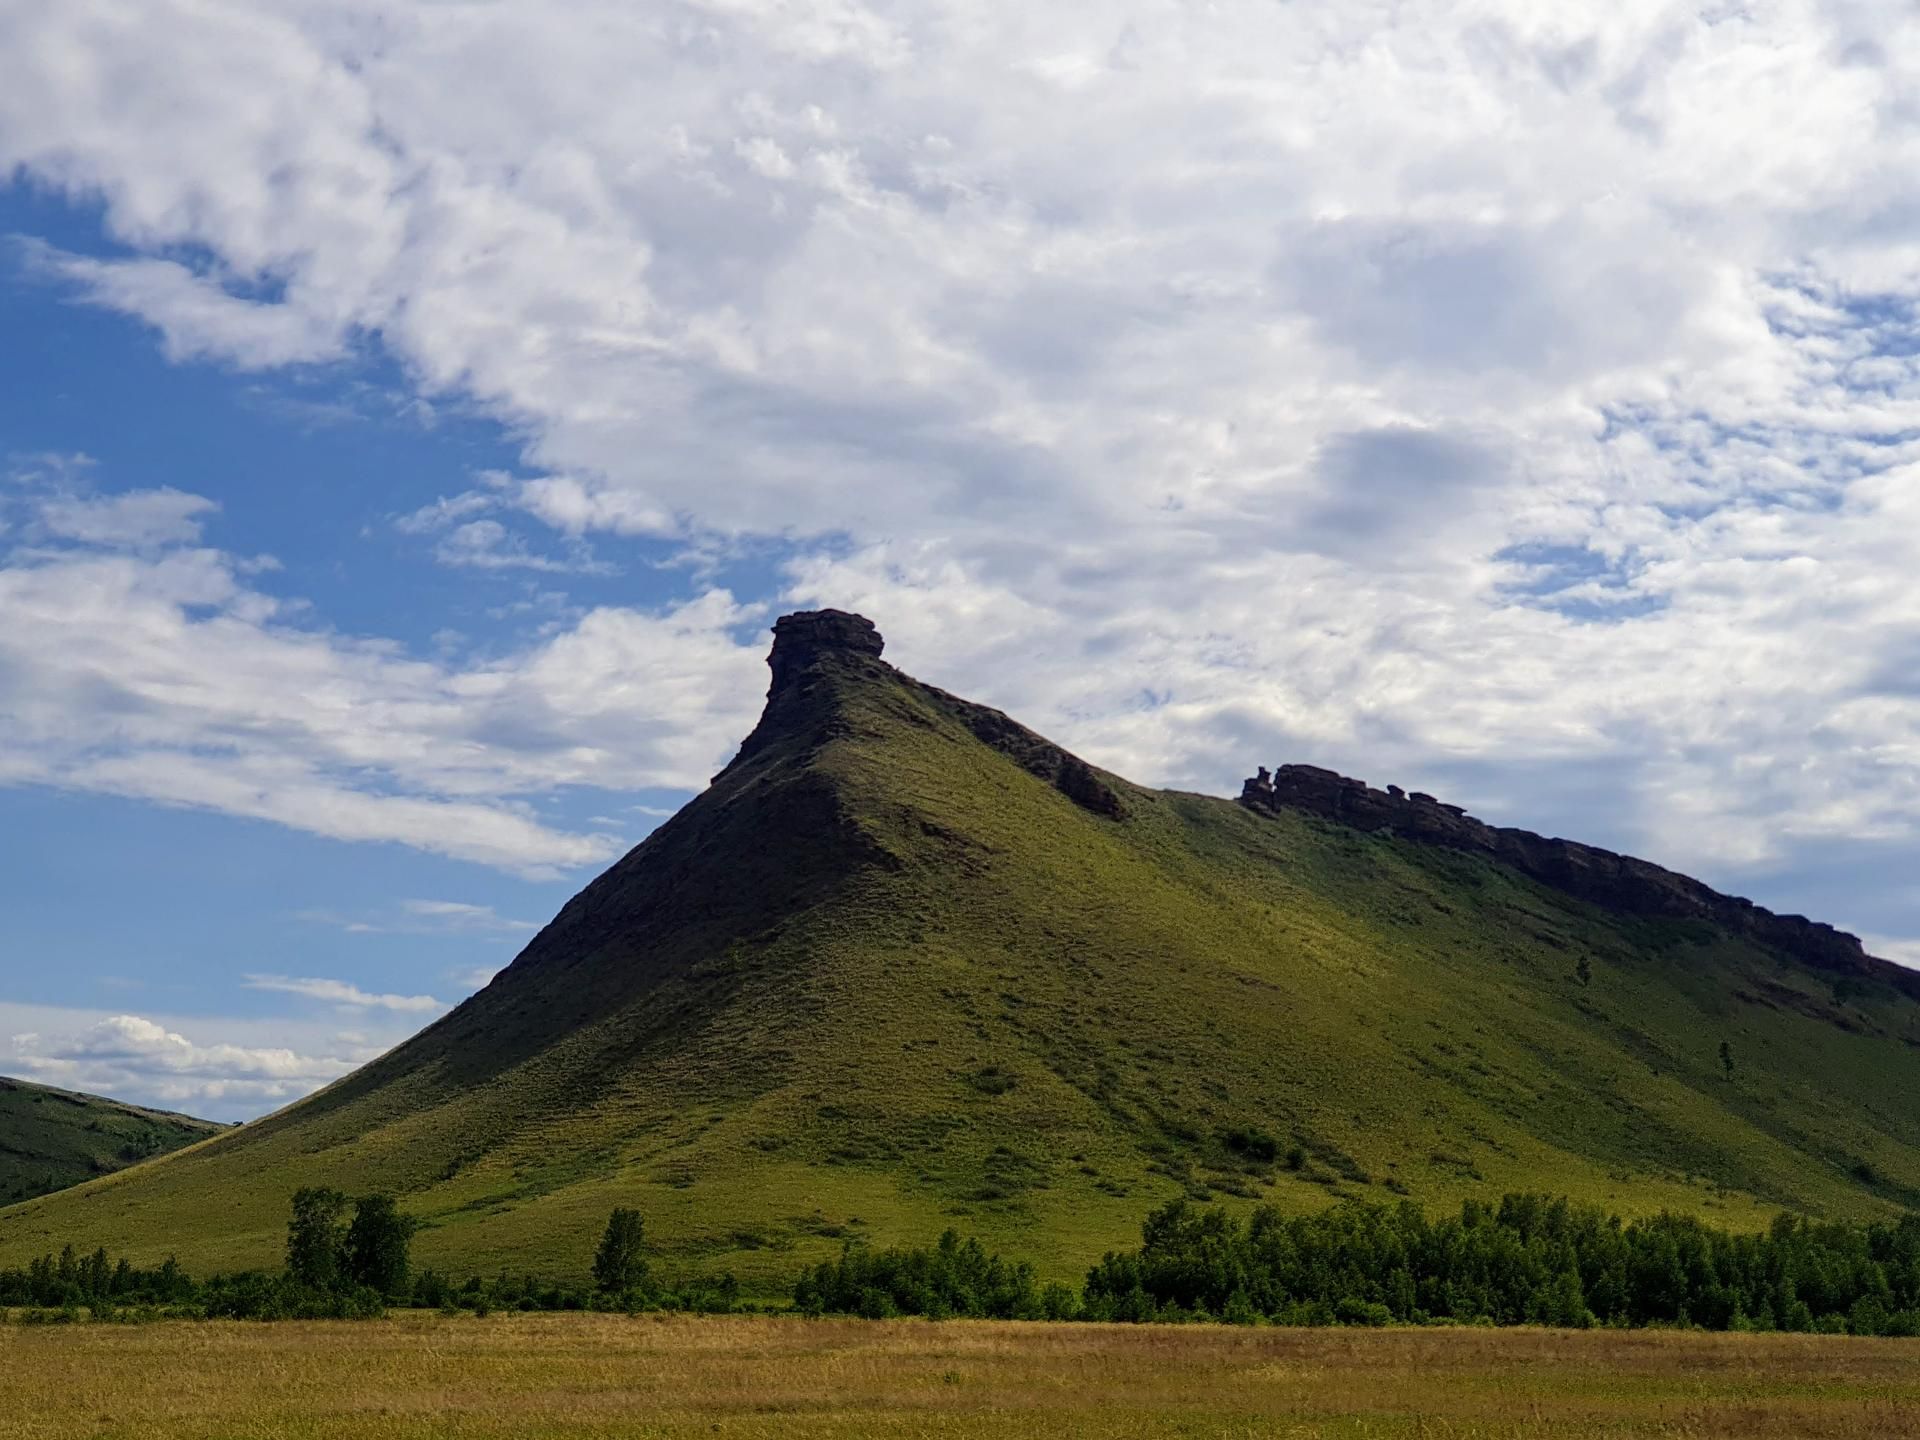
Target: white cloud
x: 427, y: 917
x: 473, y: 977
x: 447, y: 510
x: 341, y: 922
x: 339, y: 992
x: 469, y: 538
x: 166, y: 676
x: 134, y: 520
x: 53, y: 499
x: 197, y: 317
x: 1512, y: 396
x: 489, y: 545
x: 129, y: 1037
x: 253, y: 1066
x: 460, y: 916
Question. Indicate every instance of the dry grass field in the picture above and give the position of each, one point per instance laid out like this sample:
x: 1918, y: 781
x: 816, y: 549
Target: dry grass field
x: 588, y: 1375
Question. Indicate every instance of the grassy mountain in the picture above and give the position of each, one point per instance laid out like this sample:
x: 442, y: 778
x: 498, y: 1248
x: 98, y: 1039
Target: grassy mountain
x: 907, y: 965
x: 50, y: 1139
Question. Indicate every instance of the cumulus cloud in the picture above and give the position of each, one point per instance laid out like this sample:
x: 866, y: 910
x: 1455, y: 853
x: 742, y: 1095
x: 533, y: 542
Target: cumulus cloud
x: 166, y: 1063
x: 164, y: 674
x: 489, y: 545
x: 137, y: 519
x: 468, y: 537
x: 339, y: 992
x: 1490, y: 392
x: 195, y: 315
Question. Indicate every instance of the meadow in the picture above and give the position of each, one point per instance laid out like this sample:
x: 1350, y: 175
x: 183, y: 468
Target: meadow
x: 530, y: 1376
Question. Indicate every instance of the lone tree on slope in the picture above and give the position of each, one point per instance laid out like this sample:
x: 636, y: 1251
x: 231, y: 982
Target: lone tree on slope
x: 619, y: 1268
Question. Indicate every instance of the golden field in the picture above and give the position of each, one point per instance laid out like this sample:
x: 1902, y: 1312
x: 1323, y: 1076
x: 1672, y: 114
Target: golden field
x: 596, y: 1375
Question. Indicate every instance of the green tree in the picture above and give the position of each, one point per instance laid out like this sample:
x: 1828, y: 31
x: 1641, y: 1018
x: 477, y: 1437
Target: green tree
x: 97, y: 1274
x: 314, y: 1250
x: 1726, y: 1058
x: 377, y: 1243
x: 1583, y: 971
x: 619, y: 1267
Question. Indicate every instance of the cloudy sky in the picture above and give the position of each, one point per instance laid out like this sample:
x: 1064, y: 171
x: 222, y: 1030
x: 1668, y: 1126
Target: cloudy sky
x: 412, y: 415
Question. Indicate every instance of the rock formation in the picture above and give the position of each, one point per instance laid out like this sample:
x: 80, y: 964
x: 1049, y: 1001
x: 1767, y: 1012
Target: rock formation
x: 1617, y: 882
x: 809, y: 642
x: 800, y: 639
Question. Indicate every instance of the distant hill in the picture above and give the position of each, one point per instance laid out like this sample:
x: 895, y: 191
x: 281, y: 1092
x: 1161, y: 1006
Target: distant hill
x: 906, y: 964
x: 50, y: 1139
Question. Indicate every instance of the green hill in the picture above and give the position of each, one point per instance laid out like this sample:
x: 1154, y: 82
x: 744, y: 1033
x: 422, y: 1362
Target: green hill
x: 906, y: 965
x: 50, y: 1139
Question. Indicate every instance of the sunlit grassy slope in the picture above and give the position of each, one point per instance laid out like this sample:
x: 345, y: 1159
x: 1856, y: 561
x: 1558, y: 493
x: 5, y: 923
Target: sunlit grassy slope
x: 880, y: 979
x: 50, y: 1139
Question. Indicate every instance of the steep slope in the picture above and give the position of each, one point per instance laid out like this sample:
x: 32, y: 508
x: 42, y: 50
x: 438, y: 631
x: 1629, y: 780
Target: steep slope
x: 906, y: 964
x: 50, y: 1139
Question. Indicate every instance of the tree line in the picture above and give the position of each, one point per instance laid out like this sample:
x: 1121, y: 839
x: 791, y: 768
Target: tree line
x: 1530, y: 1259
x: 345, y: 1259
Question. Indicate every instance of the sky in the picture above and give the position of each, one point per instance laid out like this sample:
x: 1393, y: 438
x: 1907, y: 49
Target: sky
x: 413, y: 415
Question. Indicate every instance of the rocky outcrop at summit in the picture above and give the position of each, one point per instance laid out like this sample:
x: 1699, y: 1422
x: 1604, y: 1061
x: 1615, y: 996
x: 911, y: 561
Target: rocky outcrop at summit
x: 802, y: 638
x: 1617, y: 882
x: 811, y: 644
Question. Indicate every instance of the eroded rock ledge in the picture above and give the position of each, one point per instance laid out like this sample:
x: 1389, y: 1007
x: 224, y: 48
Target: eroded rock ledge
x: 810, y: 644
x: 1617, y: 882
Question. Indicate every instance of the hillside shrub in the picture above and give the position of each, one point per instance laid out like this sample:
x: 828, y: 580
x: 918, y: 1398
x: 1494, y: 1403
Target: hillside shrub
x: 955, y: 1278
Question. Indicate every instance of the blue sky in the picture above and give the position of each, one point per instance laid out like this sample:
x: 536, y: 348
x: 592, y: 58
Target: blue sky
x: 411, y: 417
x: 118, y: 904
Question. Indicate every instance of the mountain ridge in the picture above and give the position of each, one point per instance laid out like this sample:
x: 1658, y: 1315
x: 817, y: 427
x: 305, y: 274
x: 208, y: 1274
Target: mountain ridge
x: 1617, y: 881
x: 908, y: 964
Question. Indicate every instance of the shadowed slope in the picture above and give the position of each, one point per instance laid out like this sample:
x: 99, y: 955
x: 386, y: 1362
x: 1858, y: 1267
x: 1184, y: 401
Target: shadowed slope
x: 50, y: 1139
x: 906, y: 964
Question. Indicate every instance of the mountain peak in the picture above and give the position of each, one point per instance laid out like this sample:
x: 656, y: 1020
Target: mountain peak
x: 880, y: 969
x: 802, y: 638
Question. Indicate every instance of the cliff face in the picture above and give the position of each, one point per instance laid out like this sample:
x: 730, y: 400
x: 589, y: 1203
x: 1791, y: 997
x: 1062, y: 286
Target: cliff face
x: 1617, y: 882
x: 811, y: 644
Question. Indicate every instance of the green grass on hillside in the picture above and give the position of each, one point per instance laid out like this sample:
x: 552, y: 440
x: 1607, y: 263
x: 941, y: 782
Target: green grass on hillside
x: 50, y: 1139
x: 880, y: 980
